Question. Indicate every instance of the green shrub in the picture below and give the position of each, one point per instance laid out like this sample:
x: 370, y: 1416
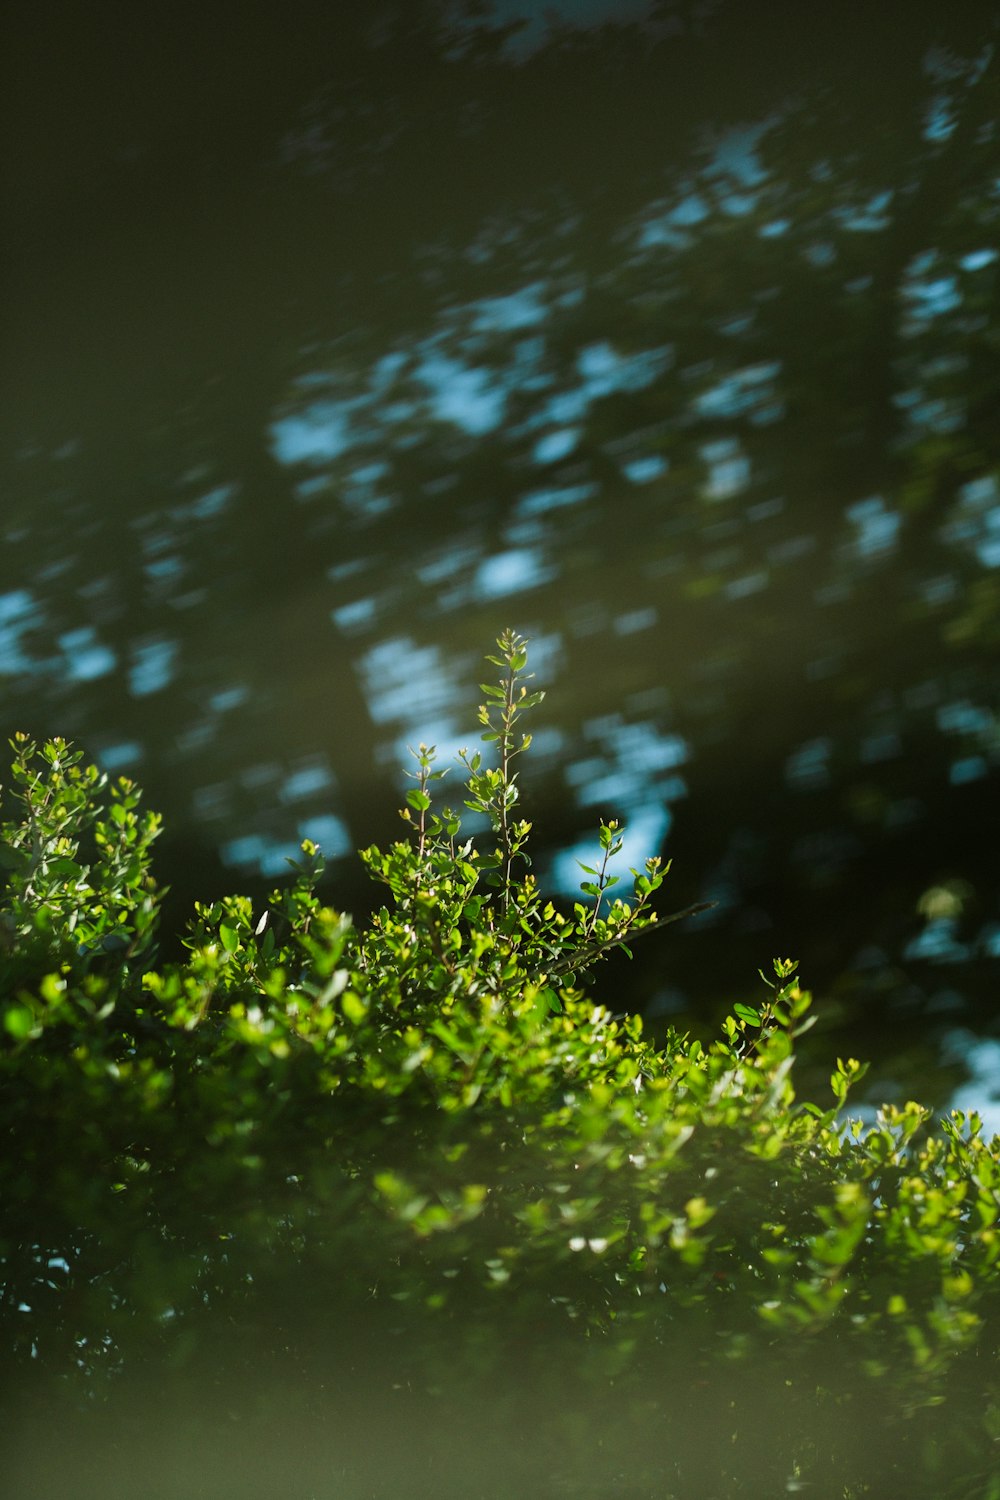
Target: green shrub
x: 323, y: 1211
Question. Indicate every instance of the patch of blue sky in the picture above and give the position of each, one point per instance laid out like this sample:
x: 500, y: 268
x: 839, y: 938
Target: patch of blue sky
x: 579, y: 772
x: 254, y: 852
x: 882, y: 744
x: 152, y: 667
x: 360, y: 614
x: 634, y: 755
x: 576, y: 13
x: 194, y: 737
x: 306, y: 781
x: 734, y: 153
x: 601, y: 726
x: 398, y: 675
x: 989, y: 940
x: 614, y: 788
x: 511, y: 572
x: 867, y: 217
x: 765, y: 509
x: 963, y: 717
x: 645, y: 469
x: 528, y: 356
x: 212, y: 801
x: 661, y: 232
x: 775, y: 229
x: 316, y: 435
x: 212, y: 503
x: 978, y: 260
x: 808, y: 767
x: 18, y: 613
x: 738, y: 392
x: 119, y: 754
x: 927, y: 414
x: 750, y: 583
x: 737, y: 205
x: 566, y: 407
x: 189, y: 599
x: 571, y: 296
x: 471, y: 398
x: 547, y: 743
x: 937, y: 943
x: 939, y: 121
x: 164, y: 567
x: 728, y: 470
x: 930, y: 299
x: 980, y: 492
x: 556, y: 445
x: 446, y: 564
x: 692, y: 209
x: 969, y: 768
x: 328, y: 831
x: 939, y: 590
x: 540, y: 502
x: 17, y: 605
x: 643, y: 747
x: 633, y: 621
x: 524, y: 308
x: 821, y: 253
x: 85, y: 658
x: 263, y: 775
x: 667, y: 226
x: 386, y: 370
x: 877, y: 528
x: 735, y: 327
x: 226, y: 699
x: 605, y: 371
x: 315, y: 484
x: 791, y: 549
x: 368, y: 475
x: 547, y: 659
x: 349, y: 568
x: 978, y: 521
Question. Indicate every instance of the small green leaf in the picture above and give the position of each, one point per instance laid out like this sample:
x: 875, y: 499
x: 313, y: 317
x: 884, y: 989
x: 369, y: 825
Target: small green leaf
x: 18, y: 1022
x: 418, y: 800
x: 354, y: 1007
x: 229, y: 937
x: 747, y: 1013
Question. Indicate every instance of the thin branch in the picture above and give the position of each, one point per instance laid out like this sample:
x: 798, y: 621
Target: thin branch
x: 580, y: 961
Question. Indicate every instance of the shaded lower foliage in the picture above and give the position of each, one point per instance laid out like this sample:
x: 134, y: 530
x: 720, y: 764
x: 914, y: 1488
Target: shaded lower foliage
x: 323, y: 1210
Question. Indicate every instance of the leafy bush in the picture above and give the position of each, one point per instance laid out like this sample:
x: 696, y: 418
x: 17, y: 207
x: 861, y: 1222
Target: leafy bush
x: 322, y: 1211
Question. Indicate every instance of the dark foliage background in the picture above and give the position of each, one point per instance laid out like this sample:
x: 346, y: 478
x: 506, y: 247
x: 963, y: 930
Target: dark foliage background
x: 339, y: 337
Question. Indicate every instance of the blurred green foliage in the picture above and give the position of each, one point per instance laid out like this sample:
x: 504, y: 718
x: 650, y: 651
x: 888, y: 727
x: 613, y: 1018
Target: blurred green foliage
x: 325, y: 1211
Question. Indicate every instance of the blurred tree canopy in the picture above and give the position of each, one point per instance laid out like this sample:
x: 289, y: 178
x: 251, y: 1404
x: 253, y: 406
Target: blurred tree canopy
x: 338, y: 338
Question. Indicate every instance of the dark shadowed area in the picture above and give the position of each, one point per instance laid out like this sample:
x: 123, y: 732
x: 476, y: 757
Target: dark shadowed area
x: 339, y: 337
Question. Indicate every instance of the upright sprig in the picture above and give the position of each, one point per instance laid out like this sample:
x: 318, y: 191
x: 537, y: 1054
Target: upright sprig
x: 419, y: 798
x: 447, y: 934
x: 494, y: 791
